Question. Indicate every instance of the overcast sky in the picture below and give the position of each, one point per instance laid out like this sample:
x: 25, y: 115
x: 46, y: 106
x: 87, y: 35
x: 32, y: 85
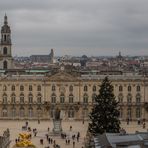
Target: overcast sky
x: 77, y: 27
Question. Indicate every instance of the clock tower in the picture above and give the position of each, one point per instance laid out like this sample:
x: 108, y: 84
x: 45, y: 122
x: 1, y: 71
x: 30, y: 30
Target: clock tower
x: 6, y: 60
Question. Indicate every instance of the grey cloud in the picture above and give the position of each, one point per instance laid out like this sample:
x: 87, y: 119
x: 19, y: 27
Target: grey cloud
x: 77, y: 27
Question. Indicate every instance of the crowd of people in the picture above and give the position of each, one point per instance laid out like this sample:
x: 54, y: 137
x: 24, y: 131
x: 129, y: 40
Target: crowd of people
x: 70, y: 139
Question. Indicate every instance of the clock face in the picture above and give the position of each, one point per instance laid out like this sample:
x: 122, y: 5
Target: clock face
x: 62, y: 68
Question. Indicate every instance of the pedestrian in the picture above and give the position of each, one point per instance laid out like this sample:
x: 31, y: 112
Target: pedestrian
x: 48, y: 129
x: 38, y: 121
x: 73, y: 144
x: 70, y: 128
x: 66, y: 141
x: 49, y: 140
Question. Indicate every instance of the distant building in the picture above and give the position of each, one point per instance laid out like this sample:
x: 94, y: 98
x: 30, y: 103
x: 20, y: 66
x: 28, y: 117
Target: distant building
x: 43, y: 58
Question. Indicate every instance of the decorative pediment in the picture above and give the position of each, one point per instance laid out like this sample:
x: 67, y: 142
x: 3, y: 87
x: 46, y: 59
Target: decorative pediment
x: 62, y: 76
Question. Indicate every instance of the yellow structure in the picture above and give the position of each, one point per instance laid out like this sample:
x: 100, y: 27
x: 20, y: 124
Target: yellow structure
x: 24, y: 141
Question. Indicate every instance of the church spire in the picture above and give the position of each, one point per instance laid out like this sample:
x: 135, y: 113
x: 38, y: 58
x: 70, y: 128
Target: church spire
x: 5, y: 19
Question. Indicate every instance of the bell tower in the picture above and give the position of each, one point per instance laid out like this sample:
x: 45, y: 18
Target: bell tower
x: 6, y: 60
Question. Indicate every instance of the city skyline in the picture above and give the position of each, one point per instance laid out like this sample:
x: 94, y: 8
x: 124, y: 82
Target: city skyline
x: 94, y: 28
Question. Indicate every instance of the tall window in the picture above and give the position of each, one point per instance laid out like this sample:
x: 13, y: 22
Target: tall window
x: 13, y: 98
x: 30, y: 87
x: 71, y: 98
x: 53, y: 88
x: 93, y: 97
x: 129, y: 98
x: 4, y: 98
x: 53, y: 98
x: 4, y: 112
x: 120, y: 88
x: 21, y: 88
x: 21, y: 98
x: 138, y: 88
x: 4, y: 88
x: 85, y: 88
x: 129, y: 88
x: 39, y: 88
x: 94, y: 88
x: 138, y: 98
x: 5, y: 65
x: 22, y: 112
x: 138, y: 112
x: 30, y: 97
x: 85, y: 98
x: 30, y: 112
x: 70, y: 88
x: 39, y: 98
x: 129, y: 113
x: 5, y: 50
x: 13, y: 112
x: 13, y: 88
x: 120, y: 98
x: 62, y: 98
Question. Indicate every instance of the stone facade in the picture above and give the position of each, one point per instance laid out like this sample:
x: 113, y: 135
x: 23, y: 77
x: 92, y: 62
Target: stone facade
x: 37, y: 96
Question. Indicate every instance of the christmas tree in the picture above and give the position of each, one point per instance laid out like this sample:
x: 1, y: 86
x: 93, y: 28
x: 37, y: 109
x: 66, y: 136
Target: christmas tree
x: 105, y: 114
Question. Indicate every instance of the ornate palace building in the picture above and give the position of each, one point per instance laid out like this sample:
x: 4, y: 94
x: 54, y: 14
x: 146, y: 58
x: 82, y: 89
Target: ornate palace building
x: 36, y: 96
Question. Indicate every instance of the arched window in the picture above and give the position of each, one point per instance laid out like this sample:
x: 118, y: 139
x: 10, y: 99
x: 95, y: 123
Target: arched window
x: 22, y: 112
x: 85, y: 98
x: 71, y: 98
x: 4, y: 88
x: 120, y: 88
x: 138, y: 98
x: 13, y: 88
x: 85, y: 88
x: 120, y: 98
x: 39, y: 88
x: 71, y: 88
x: 30, y: 97
x: 21, y: 98
x: 94, y: 97
x: 53, y: 98
x: 13, y: 98
x: 129, y: 113
x: 94, y: 88
x: 71, y: 113
x: 129, y: 98
x: 4, y: 112
x: 30, y: 112
x: 138, y: 112
x: 129, y: 88
x: 21, y: 88
x: 5, y: 50
x: 62, y: 98
x: 30, y: 87
x: 4, y: 98
x: 39, y: 97
x: 138, y: 88
x: 85, y: 113
x: 53, y: 88
x: 5, y: 65
x: 13, y: 112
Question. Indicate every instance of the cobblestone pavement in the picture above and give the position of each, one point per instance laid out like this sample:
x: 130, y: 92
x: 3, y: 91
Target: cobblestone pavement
x: 77, y: 126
